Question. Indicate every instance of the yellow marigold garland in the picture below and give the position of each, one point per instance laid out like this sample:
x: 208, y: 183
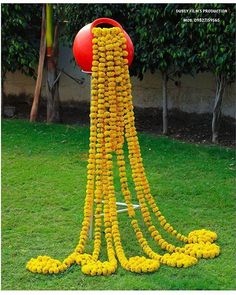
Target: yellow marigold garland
x: 111, y: 121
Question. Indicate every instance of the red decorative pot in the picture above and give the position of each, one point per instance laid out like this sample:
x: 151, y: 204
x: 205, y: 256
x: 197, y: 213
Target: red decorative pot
x: 82, y: 47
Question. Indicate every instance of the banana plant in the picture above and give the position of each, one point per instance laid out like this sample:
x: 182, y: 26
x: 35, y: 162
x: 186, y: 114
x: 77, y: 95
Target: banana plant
x: 52, y: 84
x: 48, y: 48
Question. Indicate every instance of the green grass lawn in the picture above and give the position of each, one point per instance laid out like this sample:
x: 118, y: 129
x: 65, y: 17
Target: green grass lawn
x: 43, y: 190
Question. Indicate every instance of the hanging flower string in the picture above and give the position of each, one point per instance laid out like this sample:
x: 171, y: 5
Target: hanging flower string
x: 111, y: 123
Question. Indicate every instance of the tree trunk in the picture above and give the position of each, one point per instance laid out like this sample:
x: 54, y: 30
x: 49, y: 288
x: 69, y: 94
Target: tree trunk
x: 220, y: 87
x: 3, y: 92
x: 53, y: 114
x: 164, y: 103
x: 52, y: 75
x: 42, y: 51
x: 52, y: 93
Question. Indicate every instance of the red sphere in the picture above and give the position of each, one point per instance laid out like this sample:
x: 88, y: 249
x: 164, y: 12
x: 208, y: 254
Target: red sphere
x: 82, y: 47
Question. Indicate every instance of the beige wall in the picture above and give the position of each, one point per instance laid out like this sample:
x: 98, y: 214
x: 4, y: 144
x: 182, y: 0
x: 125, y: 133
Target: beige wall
x: 193, y: 94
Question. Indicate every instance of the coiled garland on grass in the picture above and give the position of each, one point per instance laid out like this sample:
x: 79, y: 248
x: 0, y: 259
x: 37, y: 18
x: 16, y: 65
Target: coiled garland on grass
x: 111, y: 122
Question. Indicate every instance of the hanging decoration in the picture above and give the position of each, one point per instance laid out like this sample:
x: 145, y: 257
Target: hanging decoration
x: 112, y: 122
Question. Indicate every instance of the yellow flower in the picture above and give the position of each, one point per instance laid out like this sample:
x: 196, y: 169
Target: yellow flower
x: 94, y: 40
x: 109, y: 57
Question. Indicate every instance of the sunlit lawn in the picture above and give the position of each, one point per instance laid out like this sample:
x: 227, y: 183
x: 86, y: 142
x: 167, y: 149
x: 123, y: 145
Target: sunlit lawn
x: 43, y: 189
